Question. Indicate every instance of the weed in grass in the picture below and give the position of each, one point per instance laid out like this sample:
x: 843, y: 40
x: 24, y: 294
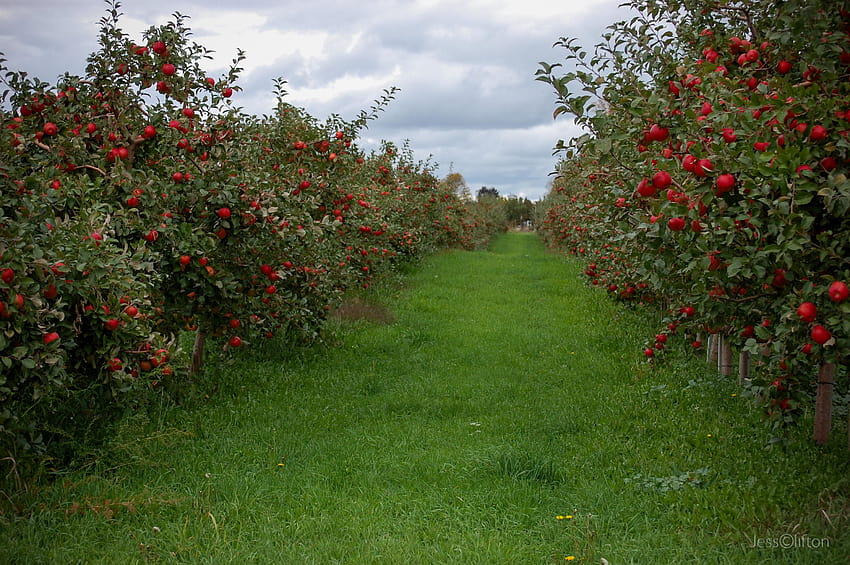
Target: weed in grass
x: 579, y: 533
x: 674, y: 482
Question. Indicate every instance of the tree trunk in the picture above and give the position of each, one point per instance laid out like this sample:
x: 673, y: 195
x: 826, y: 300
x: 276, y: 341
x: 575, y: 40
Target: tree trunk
x: 197, y: 354
x: 823, y: 403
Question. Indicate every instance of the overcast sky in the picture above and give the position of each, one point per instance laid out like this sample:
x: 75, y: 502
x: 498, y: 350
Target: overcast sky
x: 465, y: 69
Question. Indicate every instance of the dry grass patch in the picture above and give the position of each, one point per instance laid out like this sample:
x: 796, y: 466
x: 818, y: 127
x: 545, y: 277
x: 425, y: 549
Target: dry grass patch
x: 355, y: 308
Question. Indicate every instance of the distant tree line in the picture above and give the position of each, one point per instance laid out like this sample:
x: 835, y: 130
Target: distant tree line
x: 517, y: 210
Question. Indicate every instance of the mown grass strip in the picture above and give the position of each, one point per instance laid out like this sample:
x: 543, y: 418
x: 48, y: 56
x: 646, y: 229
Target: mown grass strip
x: 502, y: 414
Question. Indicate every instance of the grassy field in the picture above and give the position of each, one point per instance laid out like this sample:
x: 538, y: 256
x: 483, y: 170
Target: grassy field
x: 496, y: 412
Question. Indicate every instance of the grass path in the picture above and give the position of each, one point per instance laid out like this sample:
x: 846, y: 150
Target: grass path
x: 501, y: 418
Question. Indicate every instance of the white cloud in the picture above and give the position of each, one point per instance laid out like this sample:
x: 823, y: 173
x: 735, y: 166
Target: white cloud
x: 533, y: 14
x: 227, y: 31
x: 345, y: 86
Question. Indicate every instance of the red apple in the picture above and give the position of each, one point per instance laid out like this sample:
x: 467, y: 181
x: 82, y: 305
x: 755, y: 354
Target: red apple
x: 703, y: 167
x: 829, y: 164
x: 818, y: 133
x: 838, y: 291
x: 656, y: 133
x: 820, y: 335
x: 676, y: 224
x: 645, y: 188
x: 661, y: 180
x: 724, y: 183
x: 807, y: 312
x: 50, y: 292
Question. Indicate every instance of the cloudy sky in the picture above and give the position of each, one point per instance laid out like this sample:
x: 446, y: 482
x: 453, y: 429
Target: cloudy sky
x: 465, y: 69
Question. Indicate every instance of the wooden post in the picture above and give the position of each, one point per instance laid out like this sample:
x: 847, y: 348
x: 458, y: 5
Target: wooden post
x: 823, y: 403
x: 725, y: 357
x: 743, y: 366
x: 712, y: 348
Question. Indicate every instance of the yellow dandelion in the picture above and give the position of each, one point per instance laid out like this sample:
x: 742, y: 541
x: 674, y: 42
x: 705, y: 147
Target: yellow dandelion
x: 559, y: 517
x: 570, y: 558
x: 569, y: 517
x: 708, y: 435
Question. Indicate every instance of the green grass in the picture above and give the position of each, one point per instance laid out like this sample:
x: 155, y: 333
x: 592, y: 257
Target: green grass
x: 502, y: 395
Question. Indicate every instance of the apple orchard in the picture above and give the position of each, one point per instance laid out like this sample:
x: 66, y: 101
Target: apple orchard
x: 140, y: 205
x: 712, y: 182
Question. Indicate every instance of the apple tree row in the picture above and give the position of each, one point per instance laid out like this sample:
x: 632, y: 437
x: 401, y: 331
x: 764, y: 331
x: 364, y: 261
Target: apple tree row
x: 139, y: 202
x: 711, y: 180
